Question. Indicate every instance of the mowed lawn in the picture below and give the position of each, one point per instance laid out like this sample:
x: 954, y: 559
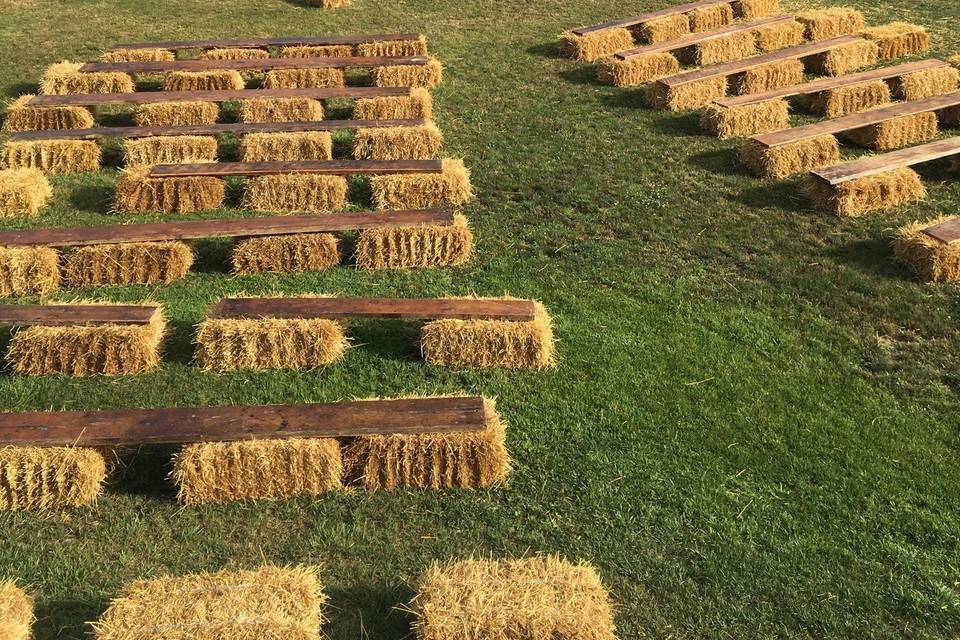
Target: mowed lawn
x: 753, y: 429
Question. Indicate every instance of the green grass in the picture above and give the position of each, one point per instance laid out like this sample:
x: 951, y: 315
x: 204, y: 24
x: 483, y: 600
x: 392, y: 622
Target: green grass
x: 752, y: 432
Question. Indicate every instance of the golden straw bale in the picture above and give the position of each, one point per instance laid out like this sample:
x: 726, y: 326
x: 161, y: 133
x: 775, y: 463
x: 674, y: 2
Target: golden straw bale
x: 280, y: 110
x: 926, y: 84
x: 419, y: 105
x: 898, y: 39
x: 107, y: 349
x: 257, y: 470
x: 823, y: 24
x: 419, y: 246
x: 20, y: 116
x: 293, y: 253
x: 849, y: 99
x: 169, y: 150
x: 772, y: 75
x: 128, y: 263
x: 490, y: 343
x: 710, y: 17
x: 955, y: 61
x: 49, y: 478
x: 931, y: 259
x: 745, y: 120
x: 235, y: 53
x: 449, y: 188
x: 137, y: 192
x: 594, y: 45
x: 420, y: 142
x: 774, y: 37
x: 328, y: 4
x: 684, y: 97
x: 662, y: 29
x: 16, y: 611
x: 23, y: 192
x: 636, y: 70
x: 267, y: 603
x: 138, y: 55
x: 304, y: 78
x: 317, y: 51
x: 66, y: 78
x: 896, y: 132
x: 845, y: 58
x: 754, y: 9
x: 175, y: 114
x: 213, y: 80
x: 28, y: 270
x: 52, y: 156
x: 734, y: 46
x: 787, y: 159
x: 296, y: 192
x: 874, y: 193
x: 225, y: 344
x: 393, y: 48
x: 286, y: 145
x: 459, y: 460
x: 410, y: 75
x: 540, y: 598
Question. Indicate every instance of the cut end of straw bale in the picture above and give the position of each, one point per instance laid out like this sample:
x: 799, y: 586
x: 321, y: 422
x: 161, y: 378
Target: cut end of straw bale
x: 317, y: 51
x: 710, y: 17
x: 28, y: 270
x: 420, y: 246
x: 754, y: 9
x: 865, y: 195
x: 257, y: 470
x: 684, y: 97
x: 823, y: 24
x: 663, y: 29
x: 52, y: 156
x: 594, y: 45
x: 138, y: 55
x: 768, y: 77
x: 175, y: 114
x: 49, y: 478
x: 235, y: 53
x: 280, y: 110
x: 66, y: 78
x: 449, y: 188
x: 637, y: 70
x: 304, y: 78
x: 293, y: 253
x: 393, y: 48
x: 169, y: 150
x: 735, y: 46
x: 213, y: 80
x: 898, y: 39
x: 419, y: 105
x: 926, y: 84
x: 397, y: 143
x: 296, y: 192
x: 292, y: 145
x: 16, y: 611
x: 136, y: 192
x: 20, y: 116
x: 787, y: 159
x: 779, y: 36
x: 845, y: 58
x: 23, y: 192
x: 745, y: 120
x: 128, y: 263
x: 955, y: 61
x: 929, y: 258
x: 850, y: 99
x: 425, y: 75
x: 896, y: 132
x: 542, y: 597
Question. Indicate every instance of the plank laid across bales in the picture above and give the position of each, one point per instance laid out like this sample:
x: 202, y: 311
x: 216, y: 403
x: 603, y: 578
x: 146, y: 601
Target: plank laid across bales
x: 931, y: 249
x: 947, y: 232
x: 64, y: 315
x: 400, y: 308
x: 263, y: 64
x: 282, y: 41
x: 318, y: 167
x: 149, y: 97
x: 872, y: 165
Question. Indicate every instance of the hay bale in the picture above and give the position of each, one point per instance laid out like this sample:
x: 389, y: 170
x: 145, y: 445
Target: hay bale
x: 787, y: 159
x: 745, y: 120
x: 28, y: 270
x: 280, y: 110
x: 754, y: 9
x: 296, y: 192
x: 270, y: 603
x: 393, y: 48
x: 321, y: 51
x: 420, y: 142
x: 955, y: 61
x: 490, y: 343
x: 136, y: 192
x: 769, y: 76
x: 710, y: 17
x: 257, y: 470
x: 419, y: 105
x: 23, y: 192
x: 213, y: 80
x: 304, y: 78
x: 169, y: 150
x: 22, y: 117
x: 898, y: 39
x: 735, y: 46
x: 426, y: 75
x: 269, y: 343
x: 128, y: 263
x: 636, y: 70
x: 16, y: 611
x: 419, y: 246
x: 692, y: 95
x: 774, y: 37
x: 235, y: 53
x: 138, y: 55
x: 874, y: 193
x: 294, y: 253
x: 459, y: 460
x: 66, y: 78
x: 292, y: 145
x: 849, y: 99
x: 49, y: 478
x: 176, y: 114
x: 926, y: 84
x: 327, y: 4
x: 52, y: 156
x: 843, y: 59
x: 449, y: 188
x: 823, y: 24
x: 663, y: 29
x: 929, y: 258
x: 896, y: 132
x: 541, y: 598
x: 594, y: 45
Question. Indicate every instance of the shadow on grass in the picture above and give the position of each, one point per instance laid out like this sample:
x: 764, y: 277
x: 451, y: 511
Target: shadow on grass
x: 58, y: 619
x: 720, y: 161
x: 391, y: 339
x: 21, y: 88
x: 582, y: 75
x: 212, y: 256
x: 547, y: 50
x: 873, y: 256
x: 143, y: 471
x: 178, y: 343
x: 626, y: 99
x: 93, y: 198
x: 681, y: 124
x: 369, y: 612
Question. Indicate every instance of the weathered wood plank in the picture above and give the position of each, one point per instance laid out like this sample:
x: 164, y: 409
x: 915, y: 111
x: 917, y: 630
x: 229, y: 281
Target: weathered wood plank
x: 247, y: 43
x: 326, y: 167
x: 645, y: 17
x: 402, y: 308
x: 61, y: 315
x: 946, y: 232
x: 872, y: 165
x: 699, y: 38
x: 149, y: 97
x: 258, y: 64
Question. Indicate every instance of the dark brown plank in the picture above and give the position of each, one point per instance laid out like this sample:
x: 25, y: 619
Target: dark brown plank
x: 239, y: 128
x: 221, y: 424
x: 326, y: 167
x: 247, y: 43
x: 222, y: 228
x: 635, y: 20
x: 946, y: 232
x: 62, y: 315
x: 403, y: 308
x: 259, y: 64
x: 704, y: 36
x: 872, y: 165
x: 149, y: 97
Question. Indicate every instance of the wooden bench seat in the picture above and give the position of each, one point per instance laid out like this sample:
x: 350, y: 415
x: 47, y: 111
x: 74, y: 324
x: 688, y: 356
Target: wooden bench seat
x: 946, y: 232
x: 356, y: 308
x: 322, y: 167
x: 699, y: 38
x: 64, y: 315
x: 265, y: 64
x: 873, y: 165
x: 633, y: 21
x: 150, y: 97
x: 250, y: 43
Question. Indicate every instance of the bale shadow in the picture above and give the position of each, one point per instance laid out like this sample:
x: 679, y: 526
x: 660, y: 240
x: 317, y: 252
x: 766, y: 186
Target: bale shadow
x: 721, y: 162
x: 582, y: 75
x: 784, y: 195
x: 392, y: 339
x: 549, y: 50
x: 93, y: 198
x: 873, y: 256
x: 681, y: 124
x: 21, y: 88
x: 626, y: 98
x: 178, y: 344
x: 58, y: 619
x: 369, y: 612
x: 143, y: 471
x: 212, y: 255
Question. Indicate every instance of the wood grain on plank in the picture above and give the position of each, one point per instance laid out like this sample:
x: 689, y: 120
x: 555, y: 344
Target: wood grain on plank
x: 646, y: 17
x: 227, y: 95
x: 402, y: 308
x: 256, y: 64
x: 247, y: 43
x: 872, y: 165
x: 62, y: 315
x: 326, y: 167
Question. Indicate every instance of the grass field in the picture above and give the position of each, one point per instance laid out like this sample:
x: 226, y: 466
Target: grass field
x: 753, y: 431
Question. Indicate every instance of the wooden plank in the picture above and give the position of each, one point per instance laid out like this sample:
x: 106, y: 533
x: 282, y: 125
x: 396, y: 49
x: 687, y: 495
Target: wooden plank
x: 946, y: 232
x: 222, y: 228
x: 828, y: 84
x: 746, y: 64
x: 231, y: 423
x: 326, y: 167
x: 645, y: 17
x: 259, y: 64
x: 62, y: 315
x: 705, y: 36
x: 872, y: 165
x: 857, y: 120
x: 240, y: 128
x: 402, y: 308
x: 149, y: 97
x: 247, y: 43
